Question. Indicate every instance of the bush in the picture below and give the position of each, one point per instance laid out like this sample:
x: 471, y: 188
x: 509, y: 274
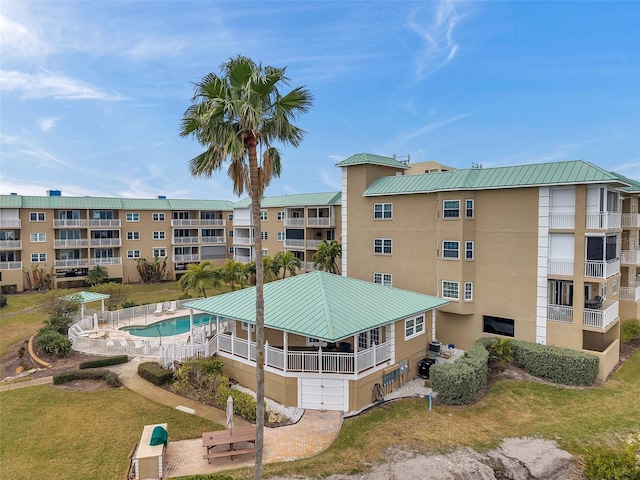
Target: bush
x: 129, y: 304
x: 59, y: 324
x: 630, y: 330
x: 3, y: 301
x: 103, y: 362
x: 154, y: 372
x: 613, y: 463
x: 53, y: 342
x: 65, y: 377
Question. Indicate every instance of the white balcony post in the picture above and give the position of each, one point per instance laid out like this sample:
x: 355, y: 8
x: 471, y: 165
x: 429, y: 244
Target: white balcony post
x: 266, y: 352
x: 355, y: 356
x: 285, y: 347
x: 320, y: 359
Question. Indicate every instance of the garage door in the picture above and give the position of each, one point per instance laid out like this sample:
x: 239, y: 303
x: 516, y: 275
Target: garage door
x: 322, y: 394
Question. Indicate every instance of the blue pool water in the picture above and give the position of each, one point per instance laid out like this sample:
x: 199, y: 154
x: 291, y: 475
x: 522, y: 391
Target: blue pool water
x: 166, y: 328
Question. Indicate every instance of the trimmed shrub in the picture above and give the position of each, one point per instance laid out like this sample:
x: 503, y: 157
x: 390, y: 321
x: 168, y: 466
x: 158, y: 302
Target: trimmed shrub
x: 53, y: 342
x: 615, y: 463
x: 129, y: 304
x: 155, y: 373
x: 104, y: 362
x: 630, y: 330
x: 65, y: 377
x: 3, y: 301
x: 559, y: 365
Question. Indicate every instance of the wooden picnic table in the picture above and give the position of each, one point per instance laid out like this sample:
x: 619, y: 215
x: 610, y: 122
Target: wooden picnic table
x: 226, y: 437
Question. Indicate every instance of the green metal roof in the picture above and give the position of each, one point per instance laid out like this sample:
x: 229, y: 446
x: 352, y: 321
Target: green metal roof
x: 297, y: 199
x: 95, y: 203
x: 559, y: 173
x: 634, y: 184
x: 321, y: 305
x: 368, y: 158
x: 86, y: 297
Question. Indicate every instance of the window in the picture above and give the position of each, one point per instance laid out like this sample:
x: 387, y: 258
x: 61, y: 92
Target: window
x: 468, y: 291
x: 133, y: 253
x: 159, y: 235
x: 36, y: 217
x: 132, y: 217
x: 265, y: 252
x: 614, y: 286
x: 413, y: 327
x: 281, y: 236
x: 382, y: 246
x: 133, y: 235
x: 382, y: 211
x: 382, y: 279
x: 247, y: 326
x: 468, y: 250
x: 280, y: 215
x: 368, y: 339
x: 451, y: 209
x: 38, y: 257
x: 264, y: 215
x: 468, y: 209
x: 450, y: 249
x: 230, y: 217
x: 231, y: 250
x: 159, y: 252
x: 450, y: 290
x: 230, y: 233
x: 38, y: 237
x: 314, y: 342
x: 158, y: 217
x: 497, y: 325
x: 264, y: 235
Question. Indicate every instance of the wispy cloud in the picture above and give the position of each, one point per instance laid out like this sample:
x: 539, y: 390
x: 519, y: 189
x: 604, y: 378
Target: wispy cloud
x: 19, y: 41
x: 47, y: 124
x: 629, y: 169
x: 52, y: 85
x: 331, y: 179
x: 429, y: 127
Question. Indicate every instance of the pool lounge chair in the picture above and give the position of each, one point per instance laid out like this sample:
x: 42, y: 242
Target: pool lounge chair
x: 172, y: 307
x: 159, y: 310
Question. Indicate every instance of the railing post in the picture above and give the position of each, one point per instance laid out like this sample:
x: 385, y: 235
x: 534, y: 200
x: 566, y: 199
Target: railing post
x: 266, y: 352
x: 319, y: 359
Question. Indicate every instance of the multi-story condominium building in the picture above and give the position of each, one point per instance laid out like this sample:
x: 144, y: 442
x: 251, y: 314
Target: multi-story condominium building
x: 540, y: 252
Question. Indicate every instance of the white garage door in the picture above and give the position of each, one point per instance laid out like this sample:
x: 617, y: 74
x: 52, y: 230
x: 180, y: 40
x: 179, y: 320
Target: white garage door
x: 322, y: 394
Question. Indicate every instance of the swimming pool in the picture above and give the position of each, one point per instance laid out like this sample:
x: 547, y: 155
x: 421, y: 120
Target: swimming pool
x: 167, y: 328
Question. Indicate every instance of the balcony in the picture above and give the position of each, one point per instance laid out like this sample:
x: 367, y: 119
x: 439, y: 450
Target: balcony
x: 185, y: 222
x: 601, y: 318
x: 242, y: 258
x: 214, y: 240
x: 562, y: 221
x: 8, y: 223
x: 630, y: 257
x: 293, y: 221
x: 194, y: 257
x: 70, y: 223
x: 80, y: 242
x: 630, y: 294
x: 560, y: 267
x: 293, y: 243
x: 601, y: 268
x: 313, y: 244
x: 106, y: 261
x: 185, y: 240
x: 106, y: 242
x: 309, y: 267
x: 243, y: 240
x: 73, y: 262
x: 321, y: 222
x: 630, y: 220
x: 10, y: 265
x: 104, y: 223
x: 10, y: 244
x: 603, y: 220
x: 560, y: 313
x: 214, y: 222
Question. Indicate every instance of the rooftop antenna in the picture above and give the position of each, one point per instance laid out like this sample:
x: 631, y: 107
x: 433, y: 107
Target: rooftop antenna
x: 476, y: 165
x: 403, y: 160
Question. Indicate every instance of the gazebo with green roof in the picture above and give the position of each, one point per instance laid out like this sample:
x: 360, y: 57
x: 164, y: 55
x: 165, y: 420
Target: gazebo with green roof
x: 87, y: 297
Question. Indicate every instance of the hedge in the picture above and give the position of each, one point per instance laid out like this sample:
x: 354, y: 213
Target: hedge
x: 104, y: 362
x: 110, y: 377
x: 153, y: 372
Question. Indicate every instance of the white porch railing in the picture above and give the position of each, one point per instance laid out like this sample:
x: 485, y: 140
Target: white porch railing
x: 630, y: 220
x: 601, y: 268
x: 321, y: 222
x: 601, y: 318
x: 184, y: 222
x: 243, y: 240
x: 560, y: 313
x: 78, y: 222
x: 214, y: 240
x: 309, y: 267
x: 183, y: 240
x: 10, y: 265
x: 560, y: 267
x: 107, y: 261
x: 293, y: 243
x: 293, y: 222
x: 6, y: 223
x: 10, y: 244
x: 630, y: 257
x: 242, y: 258
x: 630, y: 294
x: 176, y: 352
x: 106, y: 242
x: 80, y: 242
x: 104, y: 223
x: 217, y: 222
x: 186, y: 258
x: 603, y: 220
x: 566, y: 221
x: 313, y: 244
x: 74, y: 262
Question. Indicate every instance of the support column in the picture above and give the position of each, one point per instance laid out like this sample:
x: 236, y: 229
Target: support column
x: 285, y: 343
x: 433, y: 325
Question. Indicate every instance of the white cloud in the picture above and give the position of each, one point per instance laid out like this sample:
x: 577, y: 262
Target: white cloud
x: 154, y: 48
x: 47, y: 124
x: 19, y: 41
x: 429, y: 127
x: 332, y: 179
x: 52, y: 85
x: 629, y: 169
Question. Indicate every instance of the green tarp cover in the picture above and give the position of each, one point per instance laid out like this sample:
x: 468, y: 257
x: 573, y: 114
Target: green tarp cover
x: 158, y: 436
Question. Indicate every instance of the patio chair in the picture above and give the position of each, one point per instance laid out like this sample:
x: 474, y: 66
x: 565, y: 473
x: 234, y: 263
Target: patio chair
x: 600, y: 300
x: 172, y: 307
x: 159, y: 310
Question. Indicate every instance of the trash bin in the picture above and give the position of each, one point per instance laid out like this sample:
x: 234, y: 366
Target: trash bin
x: 424, y: 365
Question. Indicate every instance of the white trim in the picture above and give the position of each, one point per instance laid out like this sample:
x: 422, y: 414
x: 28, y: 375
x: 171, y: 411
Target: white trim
x: 415, y: 334
x: 542, y: 291
x: 343, y: 214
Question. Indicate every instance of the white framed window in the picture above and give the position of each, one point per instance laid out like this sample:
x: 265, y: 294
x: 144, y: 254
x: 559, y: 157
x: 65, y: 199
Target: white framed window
x: 314, y: 342
x: 382, y: 211
x: 160, y: 252
x: 230, y: 233
x: 264, y: 215
x: 133, y: 235
x: 468, y: 250
x: 450, y: 290
x: 264, y: 235
x: 230, y: 217
x: 133, y: 253
x: 265, y: 252
x: 451, y: 209
x: 231, y: 250
x: 280, y: 215
x: 159, y: 235
x: 614, y: 286
x: 281, y: 236
x: 414, y: 326
x: 468, y: 291
x: 132, y: 217
x: 382, y: 279
x: 37, y: 237
x: 157, y: 217
x: 38, y: 258
x: 247, y: 326
x: 37, y: 217
x: 468, y: 208
x: 369, y: 338
x: 382, y: 246
x: 451, y: 249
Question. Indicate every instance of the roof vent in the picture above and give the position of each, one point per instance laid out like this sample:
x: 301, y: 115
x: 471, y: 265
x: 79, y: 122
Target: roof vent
x: 13, y: 193
x: 54, y: 193
x: 162, y: 197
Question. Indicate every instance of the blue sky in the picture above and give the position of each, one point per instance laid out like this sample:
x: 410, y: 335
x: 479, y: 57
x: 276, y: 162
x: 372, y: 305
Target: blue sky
x: 92, y: 93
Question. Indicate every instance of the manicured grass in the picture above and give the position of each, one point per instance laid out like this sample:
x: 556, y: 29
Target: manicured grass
x: 46, y: 432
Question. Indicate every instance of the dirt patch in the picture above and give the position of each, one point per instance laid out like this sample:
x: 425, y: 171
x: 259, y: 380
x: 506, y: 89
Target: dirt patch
x: 85, y: 386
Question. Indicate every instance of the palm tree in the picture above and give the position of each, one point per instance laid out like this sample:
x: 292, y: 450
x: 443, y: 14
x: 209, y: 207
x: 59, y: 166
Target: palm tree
x: 286, y: 261
x: 198, y: 277
x: 326, y: 257
x: 268, y: 266
x: 233, y: 116
x: 96, y: 275
x: 234, y: 273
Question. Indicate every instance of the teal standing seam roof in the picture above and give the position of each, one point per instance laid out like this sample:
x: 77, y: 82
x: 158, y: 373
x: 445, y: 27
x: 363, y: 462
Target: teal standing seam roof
x: 86, y: 297
x: 634, y: 185
x: 109, y: 203
x: 559, y: 173
x: 368, y: 158
x: 321, y: 305
x: 293, y: 200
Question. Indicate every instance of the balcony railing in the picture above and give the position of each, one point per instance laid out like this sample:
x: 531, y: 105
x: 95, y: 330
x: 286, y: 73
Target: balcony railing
x: 184, y: 222
x: 186, y: 258
x: 183, y: 240
x: 78, y: 222
x: 309, y: 266
x: 293, y: 243
x: 293, y: 221
x: 106, y: 242
x: 630, y: 220
x: 601, y: 318
x: 243, y: 240
x: 313, y: 244
x: 321, y: 221
x: 214, y: 240
x: 10, y: 265
x: 560, y: 267
x: 560, y: 313
x: 10, y: 244
x: 603, y: 220
x: 242, y: 258
x: 80, y: 242
x: 630, y: 257
x: 7, y: 223
x: 601, y: 268
x: 630, y: 294
x: 113, y: 222
x: 106, y: 261
x: 215, y: 222
x: 73, y: 262
x: 566, y: 221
